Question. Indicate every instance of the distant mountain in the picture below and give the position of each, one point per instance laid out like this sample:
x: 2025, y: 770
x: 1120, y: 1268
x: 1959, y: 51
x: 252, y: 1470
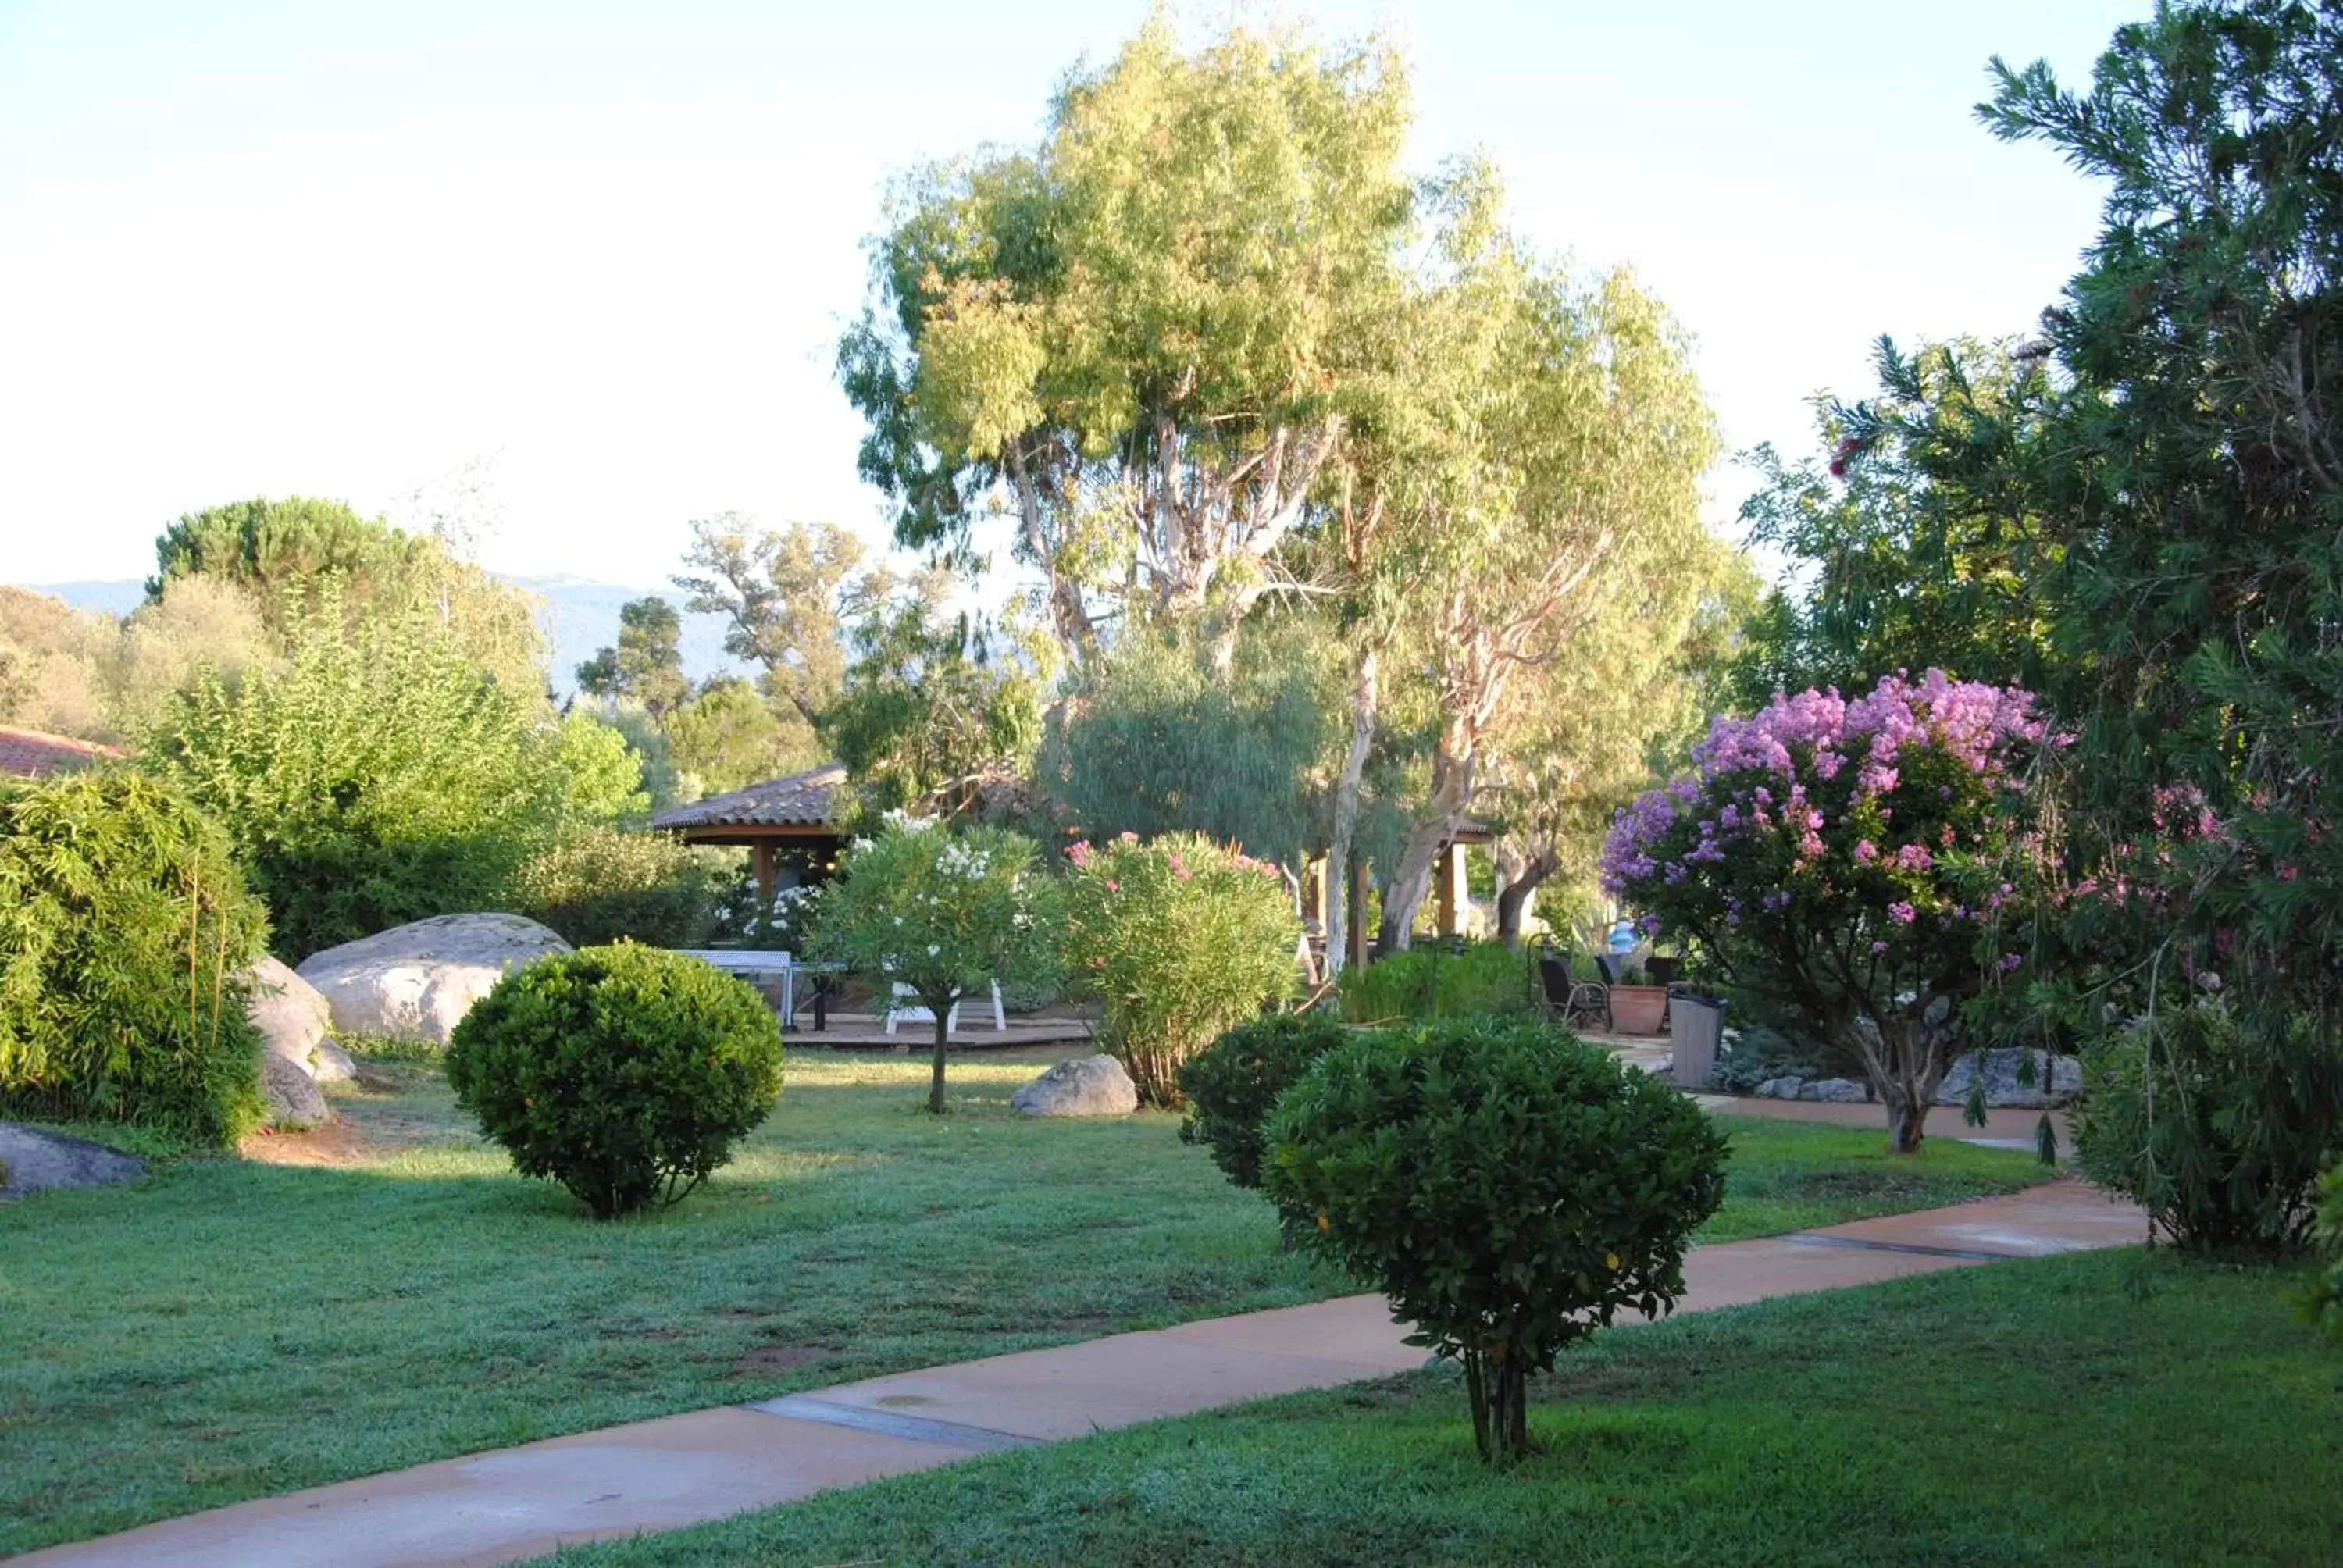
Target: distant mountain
x: 578, y: 618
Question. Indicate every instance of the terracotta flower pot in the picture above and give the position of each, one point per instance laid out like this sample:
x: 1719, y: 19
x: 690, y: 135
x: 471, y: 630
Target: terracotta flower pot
x: 1638, y: 1009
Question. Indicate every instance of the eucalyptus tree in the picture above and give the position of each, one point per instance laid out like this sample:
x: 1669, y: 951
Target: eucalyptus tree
x: 787, y: 595
x: 1137, y: 338
x: 1570, y: 490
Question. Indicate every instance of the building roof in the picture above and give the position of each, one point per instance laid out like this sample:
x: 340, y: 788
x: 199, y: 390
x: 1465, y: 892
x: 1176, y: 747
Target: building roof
x: 28, y: 753
x: 801, y: 800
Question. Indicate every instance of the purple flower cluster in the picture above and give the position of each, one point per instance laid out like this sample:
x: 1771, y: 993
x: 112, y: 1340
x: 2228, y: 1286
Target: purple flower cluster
x: 1816, y: 735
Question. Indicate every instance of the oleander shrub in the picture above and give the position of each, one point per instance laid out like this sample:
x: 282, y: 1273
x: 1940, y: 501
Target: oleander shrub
x: 2323, y: 1303
x: 1179, y: 937
x: 125, y: 935
x: 623, y: 1072
x: 1509, y: 1187
x: 1232, y: 1084
x: 2217, y: 1124
x: 598, y: 884
x: 1487, y: 978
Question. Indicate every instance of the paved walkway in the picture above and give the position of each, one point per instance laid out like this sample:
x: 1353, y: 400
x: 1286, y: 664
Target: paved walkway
x: 517, y: 1503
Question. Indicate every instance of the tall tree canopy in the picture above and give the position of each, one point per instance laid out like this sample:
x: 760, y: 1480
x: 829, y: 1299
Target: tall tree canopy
x: 1137, y: 337
x: 646, y: 665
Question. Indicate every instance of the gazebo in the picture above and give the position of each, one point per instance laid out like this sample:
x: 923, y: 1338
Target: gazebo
x: 781, y: 815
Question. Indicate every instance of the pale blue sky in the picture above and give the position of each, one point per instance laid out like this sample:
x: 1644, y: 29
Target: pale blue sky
x: 342, y: 248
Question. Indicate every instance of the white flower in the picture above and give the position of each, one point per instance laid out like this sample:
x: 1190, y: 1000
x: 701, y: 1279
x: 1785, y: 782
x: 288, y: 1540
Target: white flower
x: 933, y: 949
x: 899, y: 919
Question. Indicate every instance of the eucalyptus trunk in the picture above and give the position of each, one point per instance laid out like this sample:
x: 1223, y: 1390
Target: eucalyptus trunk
x: 1513, y: 903
x: 1366, y: 694
x: 1435, y: 827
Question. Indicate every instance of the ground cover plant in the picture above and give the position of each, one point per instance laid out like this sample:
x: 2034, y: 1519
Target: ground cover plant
x: 1761, y: 1435
x: 268, y: 1328
x: 626, y: 1073
x: 126, y: 930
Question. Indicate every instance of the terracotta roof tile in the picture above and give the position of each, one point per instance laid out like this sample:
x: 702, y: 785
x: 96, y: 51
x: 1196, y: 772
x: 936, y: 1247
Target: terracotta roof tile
x: 802, y: 798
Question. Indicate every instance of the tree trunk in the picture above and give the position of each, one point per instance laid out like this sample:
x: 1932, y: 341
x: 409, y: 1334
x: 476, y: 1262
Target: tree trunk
x: 936, y: 1079
x: 1514, y: 896
x: 1904, y: 1057
x: 1443, y: 814
x: 1498, y: 1385
x: 1366, y: 693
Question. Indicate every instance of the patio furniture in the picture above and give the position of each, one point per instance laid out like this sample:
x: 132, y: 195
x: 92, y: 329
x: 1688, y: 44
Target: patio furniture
x: 897, y: 1011
x: 1561, y: 995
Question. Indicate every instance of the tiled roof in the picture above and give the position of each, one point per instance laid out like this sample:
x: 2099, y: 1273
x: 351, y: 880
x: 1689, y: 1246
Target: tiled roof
x: 28, y: 753
x: 799, y: 798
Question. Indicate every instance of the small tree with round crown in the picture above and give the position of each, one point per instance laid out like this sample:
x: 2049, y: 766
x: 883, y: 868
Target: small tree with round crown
x: 943, y: 914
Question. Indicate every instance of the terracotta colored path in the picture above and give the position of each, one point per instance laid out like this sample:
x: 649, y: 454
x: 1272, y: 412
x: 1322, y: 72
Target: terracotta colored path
x: 518, y: 1502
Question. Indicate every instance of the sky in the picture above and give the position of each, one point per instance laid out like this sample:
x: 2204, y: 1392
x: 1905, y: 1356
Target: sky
x: 600, y: 254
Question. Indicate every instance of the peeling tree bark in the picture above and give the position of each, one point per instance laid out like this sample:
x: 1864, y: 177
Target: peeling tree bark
x: 1366, y: 695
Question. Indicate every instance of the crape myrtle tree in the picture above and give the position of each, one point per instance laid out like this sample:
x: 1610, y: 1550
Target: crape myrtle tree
x: 1137, y: 337
x: 2177, y: 447
x: 1854, y: 858
x: 942, y: 912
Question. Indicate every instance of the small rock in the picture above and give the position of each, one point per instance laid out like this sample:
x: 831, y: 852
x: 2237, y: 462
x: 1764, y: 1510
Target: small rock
x: 1665, y: 1066
x: 1086, y: 1086
x: 34, y: 1158
x: 295, y: 1101
x: 1835, y: 1091
x: 1781, y: 1088
x: 329, y: 1063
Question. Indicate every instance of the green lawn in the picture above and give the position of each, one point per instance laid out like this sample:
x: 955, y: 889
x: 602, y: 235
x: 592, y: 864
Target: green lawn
x: 229, y: 1328
x: 2107, y: 1409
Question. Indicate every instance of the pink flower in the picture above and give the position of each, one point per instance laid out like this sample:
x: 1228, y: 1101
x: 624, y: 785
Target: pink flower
x: 1902, y: 913
x: 1878, y: 947
x: 1866, y: 851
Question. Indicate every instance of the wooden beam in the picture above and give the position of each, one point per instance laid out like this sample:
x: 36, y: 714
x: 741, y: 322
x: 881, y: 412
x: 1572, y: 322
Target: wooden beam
x: 767, y: 871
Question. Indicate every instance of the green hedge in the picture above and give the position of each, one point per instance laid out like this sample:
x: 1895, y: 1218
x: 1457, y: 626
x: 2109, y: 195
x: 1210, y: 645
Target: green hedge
x: 599, y: 884
x: 1232, y: 1084
x: 126, y: 930
x: 1487, y: 979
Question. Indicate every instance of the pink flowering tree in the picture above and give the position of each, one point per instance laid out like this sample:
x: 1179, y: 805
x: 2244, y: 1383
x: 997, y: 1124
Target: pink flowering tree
x: 1852, y: 858
x: 1179, y: 937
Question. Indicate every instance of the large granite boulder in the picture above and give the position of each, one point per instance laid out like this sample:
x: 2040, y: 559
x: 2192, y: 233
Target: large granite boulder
x: 1086, y: 1086
x: 417, y: 981
x: 32, y: 1159
x: 1834, y: 1091
x: 295, y: 1100
x: 293, y: 1017
x: 2055, y: 1079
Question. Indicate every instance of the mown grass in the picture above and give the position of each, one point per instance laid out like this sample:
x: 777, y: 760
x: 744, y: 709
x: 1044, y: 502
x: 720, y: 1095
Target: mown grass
x: 2107, y: 1409
x: 229, y: 1328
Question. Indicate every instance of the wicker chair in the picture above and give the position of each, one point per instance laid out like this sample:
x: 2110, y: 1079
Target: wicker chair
x: 1561, y: 995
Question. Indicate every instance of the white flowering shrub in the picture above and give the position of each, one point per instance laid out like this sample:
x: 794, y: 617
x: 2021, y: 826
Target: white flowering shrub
x: 944, y: 914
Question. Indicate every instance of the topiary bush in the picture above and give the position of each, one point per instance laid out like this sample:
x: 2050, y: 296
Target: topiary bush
x: 1509, y: 1187
x: 598, y: 884
x: 1179, y: 937
x: 623, y: 1072
x: 1232, y: 1084
x: 125, y: 933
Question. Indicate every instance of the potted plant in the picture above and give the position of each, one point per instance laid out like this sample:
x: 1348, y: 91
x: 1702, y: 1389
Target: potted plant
x: 1637, y: 1006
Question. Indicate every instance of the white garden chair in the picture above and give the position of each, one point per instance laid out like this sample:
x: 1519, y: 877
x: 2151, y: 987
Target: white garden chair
x: 901, y: 1011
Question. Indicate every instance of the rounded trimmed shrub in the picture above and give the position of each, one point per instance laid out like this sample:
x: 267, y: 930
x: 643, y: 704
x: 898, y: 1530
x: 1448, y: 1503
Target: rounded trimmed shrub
x: 623, y: 1072
x: 125, y: 935
x: 1233, y: 1084
x: 1509, y: 1187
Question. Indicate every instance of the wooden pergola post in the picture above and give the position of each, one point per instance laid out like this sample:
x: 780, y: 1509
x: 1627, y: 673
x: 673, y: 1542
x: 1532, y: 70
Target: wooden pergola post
x: 767, y: 868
